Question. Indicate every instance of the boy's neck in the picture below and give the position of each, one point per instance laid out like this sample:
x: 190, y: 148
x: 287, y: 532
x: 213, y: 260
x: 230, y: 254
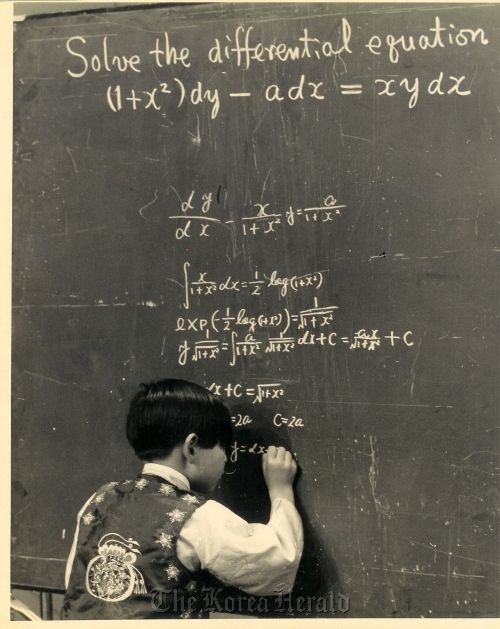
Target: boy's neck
x: 174, y: 460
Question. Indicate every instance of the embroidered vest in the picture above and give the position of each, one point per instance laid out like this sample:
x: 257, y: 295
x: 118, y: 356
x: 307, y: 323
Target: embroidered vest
x: 126, y: 565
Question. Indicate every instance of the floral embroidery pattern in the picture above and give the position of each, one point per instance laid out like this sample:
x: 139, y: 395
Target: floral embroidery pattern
x: 172, y: 571
x: 193, y: 500
x: 191, y: 586
x: 141, y: 483
x: 111, y: 576
x: 88, y: 518
x: 165, y: 540
x: 168, y: 490
x: 176, y: 515
x: 98, y: 498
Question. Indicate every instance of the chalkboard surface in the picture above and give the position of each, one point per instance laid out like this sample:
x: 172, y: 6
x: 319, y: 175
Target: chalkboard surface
x: 296, y: 206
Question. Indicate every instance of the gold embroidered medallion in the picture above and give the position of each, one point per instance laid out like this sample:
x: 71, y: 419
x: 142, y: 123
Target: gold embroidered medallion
x: 112, y: 576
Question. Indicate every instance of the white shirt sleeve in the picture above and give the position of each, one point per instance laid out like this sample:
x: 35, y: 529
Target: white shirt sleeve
x: 259, y: 559
x: 72, y: 552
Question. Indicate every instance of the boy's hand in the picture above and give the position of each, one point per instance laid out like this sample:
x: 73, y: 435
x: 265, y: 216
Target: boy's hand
x: 279, y: 470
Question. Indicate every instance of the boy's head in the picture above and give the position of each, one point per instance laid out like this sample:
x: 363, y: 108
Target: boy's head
x: 182, y: 421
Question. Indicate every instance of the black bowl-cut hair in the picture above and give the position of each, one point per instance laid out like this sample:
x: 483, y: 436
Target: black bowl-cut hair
x: 163, y: 413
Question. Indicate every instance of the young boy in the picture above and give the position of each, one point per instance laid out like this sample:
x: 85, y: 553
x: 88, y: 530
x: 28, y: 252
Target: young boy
x: 141, y: 546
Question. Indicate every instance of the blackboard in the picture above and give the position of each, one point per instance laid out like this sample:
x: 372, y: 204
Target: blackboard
x: 295, y: 205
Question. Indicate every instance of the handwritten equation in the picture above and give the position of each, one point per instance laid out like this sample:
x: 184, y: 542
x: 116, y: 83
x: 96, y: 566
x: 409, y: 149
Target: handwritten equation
x: 244, y: 48
x: 284, y: 331
x: 248, y: 345
x: 258, y: 394
x: 279, y: 420
x: 162, y: 96
x: 236, y: 448
x: 256, y: 448
x: 195, y: 219
x: 202, y: 286
x: 317, y: 316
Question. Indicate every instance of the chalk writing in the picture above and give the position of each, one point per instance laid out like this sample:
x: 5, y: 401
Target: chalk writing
x: 159, y: 96
x: 241, y: 420
x: 265, y: 220
x: 249, y: 345
x: 438, y: 36
x: 203, y: 286
x: 244, y: 47
x: 279, y: 420
x: 227, y: 321
x: 259, y: 393
x: 255, y: 448
x: 239, y: 333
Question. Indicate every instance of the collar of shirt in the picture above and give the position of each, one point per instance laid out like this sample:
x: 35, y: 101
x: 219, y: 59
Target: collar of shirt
x: 167, y: 473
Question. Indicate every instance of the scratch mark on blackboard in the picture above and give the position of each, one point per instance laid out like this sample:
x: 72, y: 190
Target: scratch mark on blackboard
x: 264, y: 185
x: 260, y: 121
x: 412, y: 370
x: 285, y: 136
x: 448, y: 565
x: 355, y: 137
x: 375, y: 404
x: 163, y: 346
x: 65, y: 38
x: 84, y: 231
x: 176, y: 193
x: 254, y: 154
x: 341, y: 133
x: 480, y: 452
x: 372, y: 476
x: 42, y: 558
x: 449, y: 553
x: 65, y: 384
x: 473, y: 360
x: 72, y: 159
x: 101, y: 305
x: 148, y: 204
x: 339, y: 57
x: 171, y: 279
x: 427, y: 574
x: 476, y: 224
x: 476, y: 68
x: 40, y: 78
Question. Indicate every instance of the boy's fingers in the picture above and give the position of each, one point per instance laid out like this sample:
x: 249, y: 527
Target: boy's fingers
x: 271, y: 451
x: 279, y: 453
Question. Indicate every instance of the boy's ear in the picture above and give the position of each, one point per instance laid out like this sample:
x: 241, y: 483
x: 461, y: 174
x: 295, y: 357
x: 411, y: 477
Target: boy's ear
x: 190, y: 446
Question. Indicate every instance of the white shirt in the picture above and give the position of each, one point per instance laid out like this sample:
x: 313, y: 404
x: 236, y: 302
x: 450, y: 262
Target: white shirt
x: 260, y: 559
